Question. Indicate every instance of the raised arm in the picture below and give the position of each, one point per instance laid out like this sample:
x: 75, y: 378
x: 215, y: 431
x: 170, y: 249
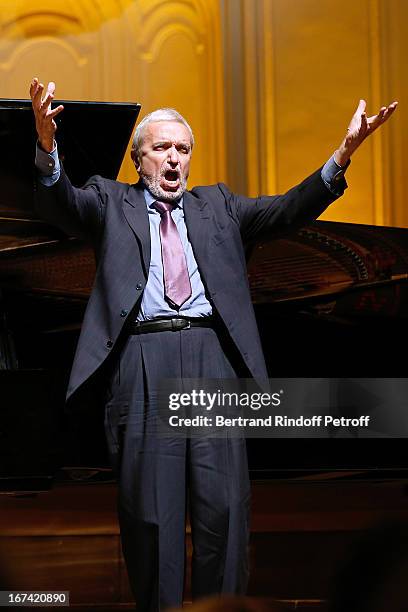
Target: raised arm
x: 44, y: 115
x: 77, y: 211
x: 359, y: 128
x: 260, y: 217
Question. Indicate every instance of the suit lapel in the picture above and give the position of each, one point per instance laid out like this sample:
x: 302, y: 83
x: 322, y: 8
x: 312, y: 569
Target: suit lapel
x: 134, y: 208
x: 197, y: 217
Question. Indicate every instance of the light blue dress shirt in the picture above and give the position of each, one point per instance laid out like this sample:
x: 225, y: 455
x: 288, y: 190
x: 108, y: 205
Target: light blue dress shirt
x: 153, y: 304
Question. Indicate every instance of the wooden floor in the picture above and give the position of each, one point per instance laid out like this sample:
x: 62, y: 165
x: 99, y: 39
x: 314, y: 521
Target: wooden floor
x: 302, y: 605
x: 68, y: 539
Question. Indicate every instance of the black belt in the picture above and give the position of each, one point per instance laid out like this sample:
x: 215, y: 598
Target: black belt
x: 174, y: 324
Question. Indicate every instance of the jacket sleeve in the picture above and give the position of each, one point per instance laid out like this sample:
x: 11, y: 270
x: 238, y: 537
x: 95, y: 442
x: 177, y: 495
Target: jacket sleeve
x: 260, y: 218
x: 77, y: 211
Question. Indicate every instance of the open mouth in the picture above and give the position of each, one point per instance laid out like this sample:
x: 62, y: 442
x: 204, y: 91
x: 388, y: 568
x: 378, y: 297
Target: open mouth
x: 171, y: 180
x: 171, y: 176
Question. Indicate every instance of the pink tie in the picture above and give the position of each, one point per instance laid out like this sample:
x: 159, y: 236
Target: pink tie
x: 177, y: 288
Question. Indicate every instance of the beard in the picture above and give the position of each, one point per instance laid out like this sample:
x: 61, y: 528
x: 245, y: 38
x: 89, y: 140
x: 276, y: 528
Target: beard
x: 152, y: 183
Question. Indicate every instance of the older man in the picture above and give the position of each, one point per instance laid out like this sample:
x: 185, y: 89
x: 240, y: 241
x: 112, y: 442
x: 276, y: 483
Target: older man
x: 171, y: 300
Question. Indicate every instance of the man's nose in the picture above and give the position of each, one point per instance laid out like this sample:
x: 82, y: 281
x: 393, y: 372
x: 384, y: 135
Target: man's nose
x: 173, y: 155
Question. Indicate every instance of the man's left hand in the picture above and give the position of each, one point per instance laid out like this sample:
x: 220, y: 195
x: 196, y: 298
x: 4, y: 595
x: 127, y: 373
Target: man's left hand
x: 359, y: 128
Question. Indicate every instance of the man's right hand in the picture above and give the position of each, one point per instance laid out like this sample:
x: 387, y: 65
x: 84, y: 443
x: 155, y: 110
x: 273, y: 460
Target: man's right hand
x: 44, y: 116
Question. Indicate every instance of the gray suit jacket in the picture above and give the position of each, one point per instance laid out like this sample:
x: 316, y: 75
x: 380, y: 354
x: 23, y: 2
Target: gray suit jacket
x: 220, y: 224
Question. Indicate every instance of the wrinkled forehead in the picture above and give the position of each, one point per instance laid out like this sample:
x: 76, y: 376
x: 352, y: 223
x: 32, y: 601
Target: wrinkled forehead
x: 165, y: 131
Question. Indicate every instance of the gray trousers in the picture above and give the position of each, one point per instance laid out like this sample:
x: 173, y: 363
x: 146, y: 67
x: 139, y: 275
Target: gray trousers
x: 157, y: 476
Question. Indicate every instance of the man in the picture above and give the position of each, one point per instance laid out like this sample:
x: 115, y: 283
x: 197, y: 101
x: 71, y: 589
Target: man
x: 171, y: 300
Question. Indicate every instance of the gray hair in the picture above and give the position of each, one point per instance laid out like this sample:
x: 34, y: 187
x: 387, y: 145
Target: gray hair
x: 161, y: 114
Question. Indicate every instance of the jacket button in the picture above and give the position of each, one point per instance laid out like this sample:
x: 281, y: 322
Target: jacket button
x: 138, y: 286
x: 109, y: 343
x: 123, y: 313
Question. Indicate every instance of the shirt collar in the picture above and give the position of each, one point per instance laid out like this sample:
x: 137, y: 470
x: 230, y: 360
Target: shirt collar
x: 150, y: 199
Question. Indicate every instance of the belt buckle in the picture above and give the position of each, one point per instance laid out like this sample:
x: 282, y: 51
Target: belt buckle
x: 179, y: 324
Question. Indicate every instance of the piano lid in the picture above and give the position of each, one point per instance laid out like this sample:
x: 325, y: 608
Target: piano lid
x: 92, y: 139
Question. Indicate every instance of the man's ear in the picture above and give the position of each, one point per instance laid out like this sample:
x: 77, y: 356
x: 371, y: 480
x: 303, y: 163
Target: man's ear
x: 135, y: 159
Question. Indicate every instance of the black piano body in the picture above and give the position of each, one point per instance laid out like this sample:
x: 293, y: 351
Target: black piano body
x: 45, y: 281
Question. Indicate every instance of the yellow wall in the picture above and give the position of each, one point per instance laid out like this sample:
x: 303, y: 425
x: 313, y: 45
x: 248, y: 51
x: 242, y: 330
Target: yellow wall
x: 268, y: 85
x: 303, y: 66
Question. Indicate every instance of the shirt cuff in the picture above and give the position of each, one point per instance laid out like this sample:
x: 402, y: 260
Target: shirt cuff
x: 333, y: 175
x: 48, y: 166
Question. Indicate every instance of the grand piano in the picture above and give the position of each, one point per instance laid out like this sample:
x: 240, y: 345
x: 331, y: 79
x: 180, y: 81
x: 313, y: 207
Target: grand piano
x: 45, y: 281
x: 331, y: 300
